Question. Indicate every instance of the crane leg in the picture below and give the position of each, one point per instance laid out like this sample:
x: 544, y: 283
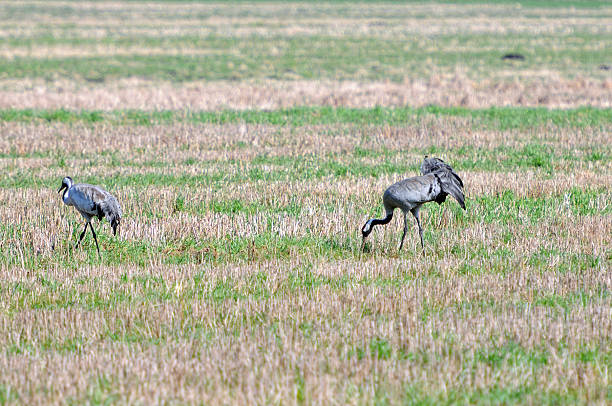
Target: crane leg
x: 441, y: 218
x: 415, y: 213
x: 405, y: 229
x: 81, y: 237
x: 95, y: 239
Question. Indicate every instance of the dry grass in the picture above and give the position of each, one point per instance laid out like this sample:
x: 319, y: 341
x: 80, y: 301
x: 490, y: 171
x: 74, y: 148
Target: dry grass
x: 235, y: 356
x: 391, y: 21
x: 442, y: 89
x: 176, y: 142
x: 564, y: 50
x: 237, y: 276
x: 193, y: 349
x: 274, y: 306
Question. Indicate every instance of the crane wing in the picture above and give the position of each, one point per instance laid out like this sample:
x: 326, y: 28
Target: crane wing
x: 431, y: 165
x: 412, y: 192
x: 96, y: 201
x: 112, y: 211
x: 81, y: 199
x: 451, y: 185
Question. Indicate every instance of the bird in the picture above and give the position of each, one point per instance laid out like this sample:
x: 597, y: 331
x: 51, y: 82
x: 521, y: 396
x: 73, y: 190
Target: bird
x: 91, y: 201
x: 410, y: 194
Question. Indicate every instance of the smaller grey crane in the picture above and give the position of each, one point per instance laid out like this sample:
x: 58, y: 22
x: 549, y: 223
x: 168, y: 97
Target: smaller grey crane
x: 91, y: 201
x: 410, y: 194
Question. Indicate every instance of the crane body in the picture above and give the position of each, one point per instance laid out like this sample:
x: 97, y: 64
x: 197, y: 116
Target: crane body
x: 410, y: 194
x: 91, y: 201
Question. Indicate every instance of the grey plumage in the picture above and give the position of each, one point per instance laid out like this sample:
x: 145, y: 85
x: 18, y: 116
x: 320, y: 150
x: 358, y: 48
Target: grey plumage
x: 410, y: 194
x: 91, y: 201
x: 431, y: 165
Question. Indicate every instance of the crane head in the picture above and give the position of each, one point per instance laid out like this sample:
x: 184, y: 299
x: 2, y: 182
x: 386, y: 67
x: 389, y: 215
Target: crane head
x: 66, y: 183
x: 366, y: 229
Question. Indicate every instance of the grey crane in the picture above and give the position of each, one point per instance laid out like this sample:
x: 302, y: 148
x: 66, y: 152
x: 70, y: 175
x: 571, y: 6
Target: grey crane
x: 410, y: 194
x: 91, y: 201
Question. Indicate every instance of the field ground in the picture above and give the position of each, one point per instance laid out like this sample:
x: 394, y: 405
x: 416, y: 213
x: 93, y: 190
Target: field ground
x: 248, y: 144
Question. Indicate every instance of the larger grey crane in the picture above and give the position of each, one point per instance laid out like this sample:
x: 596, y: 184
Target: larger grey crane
x: 410, y: 194
x: 91, y: 201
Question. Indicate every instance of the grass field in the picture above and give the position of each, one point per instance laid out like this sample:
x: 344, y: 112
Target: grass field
x: 248, y: 143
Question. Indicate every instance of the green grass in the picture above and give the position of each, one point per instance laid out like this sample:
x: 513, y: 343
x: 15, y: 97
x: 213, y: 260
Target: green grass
x: 533, y: 3
x: 248, y: 267
x: 503, y: 210
x: 544, y: 160
x: 567, y: 302
x: 524, y: 3
x: 144, y: 289
x: 310, y: 57
x: 501, y: 118
x: 518, y: 395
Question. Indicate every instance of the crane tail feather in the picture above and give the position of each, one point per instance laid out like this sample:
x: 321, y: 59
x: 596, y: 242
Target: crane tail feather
x: 452, y: 185
x: 115, y: 225
x: 112, y: 211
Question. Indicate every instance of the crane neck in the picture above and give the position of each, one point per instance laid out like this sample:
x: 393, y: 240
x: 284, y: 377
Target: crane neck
x: 367, y: 227
x: 386, y: 220
x: 65, y: 195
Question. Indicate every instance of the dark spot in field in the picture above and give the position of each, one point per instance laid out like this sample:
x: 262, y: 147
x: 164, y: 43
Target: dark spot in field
x: 96, y: 79
x: 513, y: 57
x: 543, y: 99
x: 605, y: 67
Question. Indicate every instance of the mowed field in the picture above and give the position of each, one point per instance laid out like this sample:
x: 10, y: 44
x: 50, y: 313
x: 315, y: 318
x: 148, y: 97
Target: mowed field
x: 247, y: 144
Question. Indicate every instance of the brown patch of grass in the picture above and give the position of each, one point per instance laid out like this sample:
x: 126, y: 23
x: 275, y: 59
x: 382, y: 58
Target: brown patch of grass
x: 443, y: 90
x: 243, y: 142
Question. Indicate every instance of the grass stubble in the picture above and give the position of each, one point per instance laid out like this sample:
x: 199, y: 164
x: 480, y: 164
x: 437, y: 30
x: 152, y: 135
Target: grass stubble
x: 267, y: 56
x: 240, y: 288
x: 237, y: 275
